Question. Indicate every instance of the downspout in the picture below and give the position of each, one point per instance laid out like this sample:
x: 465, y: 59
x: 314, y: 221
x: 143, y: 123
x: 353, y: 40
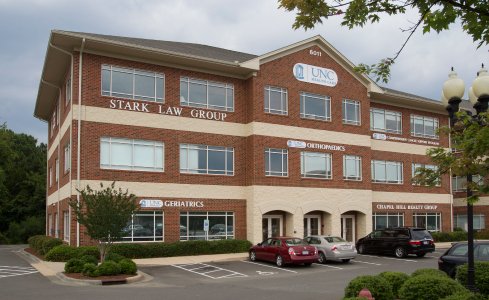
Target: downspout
x: 78, y: 150
x: 450, y: 181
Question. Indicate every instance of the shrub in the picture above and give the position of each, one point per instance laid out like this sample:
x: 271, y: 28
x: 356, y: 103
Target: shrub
x: 449, y: 236
x: 377, y: 285
x: 3, y: 239
x: 429, y: 287
x: 128, y: 266
x: 61, y: 253
x: 35, y: 242
x: 482, y: 235
x: 395, y: 279
x: 354, y: 298
x: 18, y: 233
x: 465, y: 296
x: 108, y: 268
x: 90, y: 270
x: 88, y: 250
x: 429, y: 272
x: 481, y: 276
x: 49, y: 244
x: 114, y: 257
x: 74, y: 265
x: 89, y: 259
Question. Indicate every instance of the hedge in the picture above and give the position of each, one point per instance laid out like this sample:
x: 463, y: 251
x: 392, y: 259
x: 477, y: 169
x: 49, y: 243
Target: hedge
x: 395, y: 279
x: 465, y: 296
x: 429, y: 272
x: 481, y: 276
x: 377, y: 285
x: 42, y: 244
x: 456, y: 236
x: 429, y: 287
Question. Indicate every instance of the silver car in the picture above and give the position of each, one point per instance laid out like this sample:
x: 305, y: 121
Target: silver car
x: 332, y: 248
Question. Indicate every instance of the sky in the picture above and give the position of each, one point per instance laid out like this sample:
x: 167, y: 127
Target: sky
x: 251, y: 26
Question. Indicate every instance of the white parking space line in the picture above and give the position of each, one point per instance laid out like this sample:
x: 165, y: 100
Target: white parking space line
x: 194, y: 268
x: 382, y: 257
x: 366, y: 262
x: 282, y: 269
x: 328, y: 266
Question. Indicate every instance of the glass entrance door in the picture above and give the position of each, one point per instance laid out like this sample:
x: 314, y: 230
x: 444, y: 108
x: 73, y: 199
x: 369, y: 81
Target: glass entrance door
x: 271, y: 226
x: 348, y: 227
x: 312, y: 225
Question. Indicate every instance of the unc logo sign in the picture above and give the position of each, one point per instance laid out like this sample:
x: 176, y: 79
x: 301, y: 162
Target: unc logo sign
x: 313, y: 74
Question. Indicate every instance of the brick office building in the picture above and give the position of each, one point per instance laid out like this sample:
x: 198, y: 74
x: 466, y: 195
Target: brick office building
x: 291, y: 142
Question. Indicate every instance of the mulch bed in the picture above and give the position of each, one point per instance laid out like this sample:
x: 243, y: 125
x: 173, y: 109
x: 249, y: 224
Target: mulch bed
x: 81, y: 276
x: 33, y: 252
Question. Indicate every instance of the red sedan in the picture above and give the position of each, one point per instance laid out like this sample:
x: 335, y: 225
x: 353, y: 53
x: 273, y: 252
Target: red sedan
x: 284, y: 250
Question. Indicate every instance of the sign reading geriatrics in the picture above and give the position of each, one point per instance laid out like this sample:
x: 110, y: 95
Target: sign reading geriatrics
x: 313, y: 74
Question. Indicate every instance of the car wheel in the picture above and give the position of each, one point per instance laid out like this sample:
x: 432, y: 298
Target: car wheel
x: 321, y: 258
x: 420, y: 254
x: 400, y: 252
x: 279, y: 261
x: 361, y: 249
x: 307, y: 264
x: 345, y: 260
x: 252, y: 255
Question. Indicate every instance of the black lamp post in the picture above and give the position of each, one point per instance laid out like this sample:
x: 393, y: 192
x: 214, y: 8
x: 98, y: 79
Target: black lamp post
x: 453, y: 91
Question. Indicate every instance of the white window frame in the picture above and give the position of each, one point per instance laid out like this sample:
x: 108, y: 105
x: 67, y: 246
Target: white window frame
x: 327, y: 106
x: 133, y: 72
x: 384, y: 112
x: 66, y: 226
x: 67, y: 158
x: 481, y: 217
x: 328, y: 161
x: 143, y: 239
x: 358, y: 162
x: 385, y: 163
x: 57, y: 170
x: 426, y: 166
x: 426, y: 215
x: 283, y: 100
x: 226, y: 86
x: 68, y: 91
x: 50, y: 176
x: 132, y: 142
x: 463, y: 181
x: 207, y: 149
x: 425, y: 119
x: 357, y: 108
x: 50, y: 225
x: 207, y: 235
x: 282, y: 153
x: 399, y: 215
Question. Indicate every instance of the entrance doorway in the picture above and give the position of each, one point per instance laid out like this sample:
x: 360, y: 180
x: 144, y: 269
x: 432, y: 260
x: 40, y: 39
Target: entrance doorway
x: 272, y: 226
x: 312, y: 225
x: 348, y: 227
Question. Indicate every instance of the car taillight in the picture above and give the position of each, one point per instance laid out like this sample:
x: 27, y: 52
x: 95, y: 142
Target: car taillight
x: 291, y: 251
x: 415, y: 243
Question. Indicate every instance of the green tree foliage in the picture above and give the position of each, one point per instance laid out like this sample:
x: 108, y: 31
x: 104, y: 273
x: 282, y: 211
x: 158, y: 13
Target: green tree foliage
x: 104, y: 213
x: 22, y: 183
x: 470, y: 138
x: 472, y: 15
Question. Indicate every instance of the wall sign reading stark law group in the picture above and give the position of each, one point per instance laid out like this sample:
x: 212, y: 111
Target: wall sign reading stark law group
x: 313, y: 74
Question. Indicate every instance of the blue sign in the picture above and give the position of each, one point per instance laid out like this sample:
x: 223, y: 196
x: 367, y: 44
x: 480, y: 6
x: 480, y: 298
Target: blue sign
x: 316, y: 75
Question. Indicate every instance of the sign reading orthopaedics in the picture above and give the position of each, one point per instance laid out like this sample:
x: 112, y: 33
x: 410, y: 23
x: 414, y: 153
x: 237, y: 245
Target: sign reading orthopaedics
x: 302, y: 145
x: 313, y: 74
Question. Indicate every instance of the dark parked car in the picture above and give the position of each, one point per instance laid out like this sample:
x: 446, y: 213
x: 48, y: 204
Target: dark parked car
x: 284, y: 250
x: 398, y: 241
x: 457, y: 255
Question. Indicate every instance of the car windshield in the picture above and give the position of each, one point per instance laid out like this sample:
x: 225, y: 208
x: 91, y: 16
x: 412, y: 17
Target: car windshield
x: 334, y: 239
x: 421, y: 234
x: 295, y: 242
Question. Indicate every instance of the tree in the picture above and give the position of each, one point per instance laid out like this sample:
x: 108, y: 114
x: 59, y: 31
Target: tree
x: 470, y: 138
x: 432, y: 15
x: 104, y: 213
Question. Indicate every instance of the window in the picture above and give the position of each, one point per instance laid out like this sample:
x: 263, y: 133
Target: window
x: 425, y: 127
x: 385, y: 120
x: 202, y: 159
x: 126, y: 154
x: 352, y: 167
x: 221, y: 226
x: 315, y: 107
x: 459, y: 183
x: 428, y: 221
x: 56, y: 225
x: 275, y: 100
x: 206, y: 94
x: 67, y: 162
x: 132, y: 84
x: 479, y: 221
x: 316, y: 165
x: 57, y: 170
x: 351, y: 112
x: 144, y: 226
x: 276, y: 161
x: 416, y: 166
x: 53, y: 122
x: 50, y: 225
x: 68, y: 91
x: 50, y: 176
x: 386, y: 171
x: 66, y: 226
x: 385, y: 220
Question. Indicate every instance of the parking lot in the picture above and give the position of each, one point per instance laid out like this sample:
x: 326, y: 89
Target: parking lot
x: 315, y: 280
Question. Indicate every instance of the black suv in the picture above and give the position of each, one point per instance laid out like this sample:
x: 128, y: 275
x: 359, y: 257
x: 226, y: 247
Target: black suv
x: 399, y: 241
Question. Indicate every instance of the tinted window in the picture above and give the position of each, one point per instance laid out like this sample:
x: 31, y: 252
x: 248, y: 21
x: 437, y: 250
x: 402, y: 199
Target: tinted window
x: 295, y: 242
x: 334, y: 239
x: 482, y: 252
x: 420, y: 234
x: 460, y: 250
